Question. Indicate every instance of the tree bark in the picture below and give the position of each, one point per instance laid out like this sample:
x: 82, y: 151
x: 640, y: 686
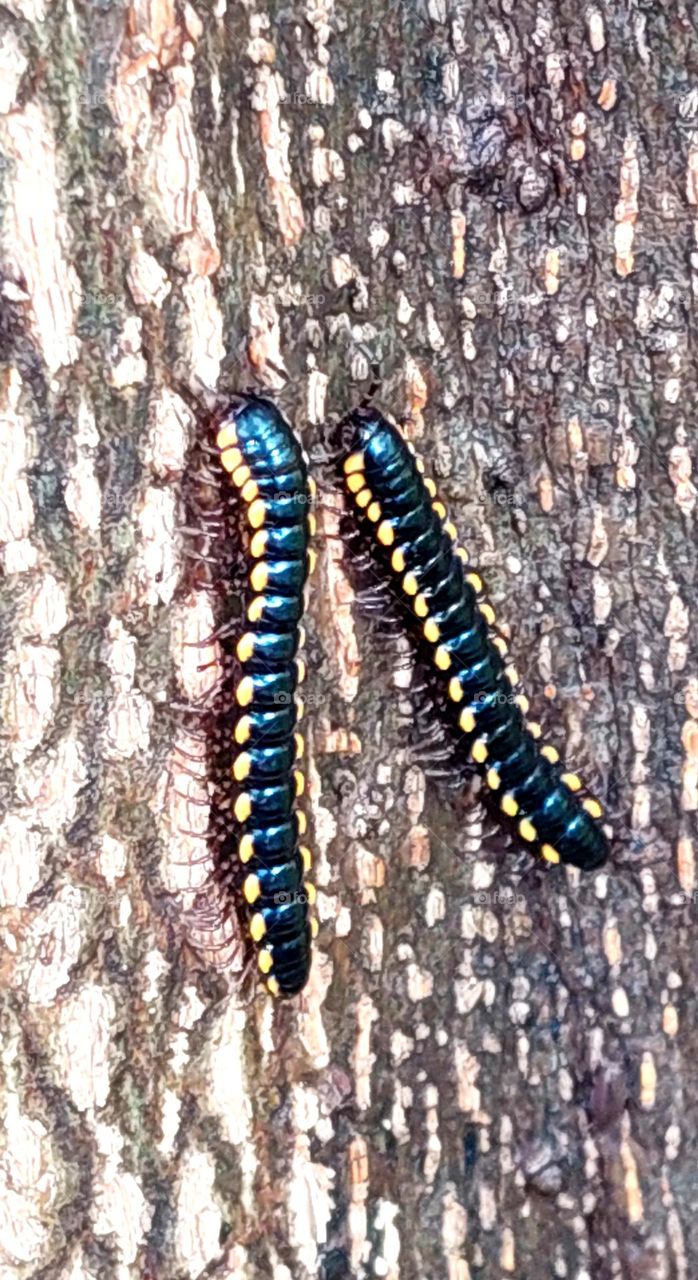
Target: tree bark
x: 491, y: 1070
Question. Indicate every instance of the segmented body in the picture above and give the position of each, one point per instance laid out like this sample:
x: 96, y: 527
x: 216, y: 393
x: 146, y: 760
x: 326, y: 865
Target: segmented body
x: 266, y: 465
x: 449, y: 616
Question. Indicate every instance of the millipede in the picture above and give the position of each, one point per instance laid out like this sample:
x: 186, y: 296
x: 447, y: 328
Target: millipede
x: 416, y: 551
x: 265, y: 464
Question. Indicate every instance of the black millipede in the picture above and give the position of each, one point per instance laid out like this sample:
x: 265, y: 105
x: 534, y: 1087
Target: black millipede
x: 442, y: 597
x: 266, y: 465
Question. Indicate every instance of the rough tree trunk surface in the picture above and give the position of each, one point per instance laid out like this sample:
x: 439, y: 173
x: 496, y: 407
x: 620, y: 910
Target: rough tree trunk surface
x: 493, y: 1070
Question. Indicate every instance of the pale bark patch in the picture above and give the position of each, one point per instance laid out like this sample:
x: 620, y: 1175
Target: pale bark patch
x: 13, y: 64
x: 197, y: 1234
x: 16, y: 507
x: 51, y: 946
x: 51, y: 784
x: 35, y: 234
x: 29, y: 695
x: 83, y: 1033
x: 22, y: 851
x: 121, y: 1211
x: 275, y: 137
x: 28, y: 1189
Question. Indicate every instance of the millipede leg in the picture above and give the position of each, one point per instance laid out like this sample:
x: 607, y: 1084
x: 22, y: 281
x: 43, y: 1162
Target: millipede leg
x: 191, y: 799
x: 205, y: 475
x: 374, y: 385
x: 182, y: 768
x: 203, y: 532
x: 192, y: 709
x: 206, y: 666
x: 199, y: 557
x: 190, y: 862
x: 228, y: 629
x: 204, y: 512
x: 188, y: 755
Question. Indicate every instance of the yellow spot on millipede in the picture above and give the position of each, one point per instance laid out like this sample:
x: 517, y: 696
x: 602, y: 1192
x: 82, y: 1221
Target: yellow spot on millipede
x: 442, y: 658
x: 246, y: 847
x: 527, y: 831
x: 300, y: 745
x: 385, y: 534
x: 302, y: 822
x: 242, y: 766
x: 314, y: 928
x: 259, y: 576
x: 273, y: 987
x: 534, y: 728
x: 231, y: 460
x: 227, y: 435
x: 355, y: 462
x: 310, y: 892
x: 551, y: 754
x: 243, y: 807
x: 501, y: 645
x: 430, y: 488
x: 509, y: 806
x: 256, y: 609
x: 493, y: 779
x: 245, y: 691
x: 306, y: 857
x: 312, y: 560
x: 592, y: 807
x: 397, y: 561
x: 374, y: 512
x: 245, y: 647
x: 363, y: 497
x: 312, y: 524
x: 550, y: 854
x: 299, y: 781
x: 410, y: 585
x: 475, y: 582
x: 522, y: 702
x: 512, y: 675
x: 462, y: 554
x: 479, y: 751
x: 421, y: 607
x: 249, y: 491
x: 265, y: 961
x: 251, y: 888
x: 242, y: 730
x: 572, y: 781
x: 240, y: 475
x: 256, y: 513
x: 455, y: 689
x: 257, y: 927
x: 258, y: 543
x: 431, y: 631
x: 488, y: 613
x: 300, y: 671
x: 450, y: 530
x: 467, y: 721
x: 355, y: 482
x: 439, y: 509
